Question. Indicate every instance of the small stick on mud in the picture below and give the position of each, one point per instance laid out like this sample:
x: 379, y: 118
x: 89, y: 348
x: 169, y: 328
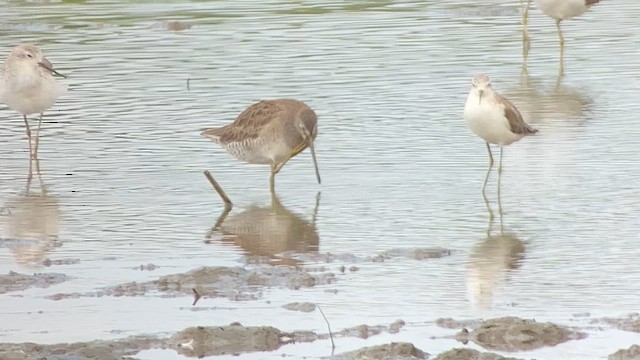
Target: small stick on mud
x: 196, y: 296
x: 227, y: 203
x: 333, y: 345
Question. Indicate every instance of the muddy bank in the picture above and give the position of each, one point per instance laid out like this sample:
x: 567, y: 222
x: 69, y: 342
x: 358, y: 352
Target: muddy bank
x: 17, y: 282
x: 629, y: 323
x: 449, y: 323
x: 515, y: 334
x: 632, y: 353
x: 196, y: 341
x: 234, y: 283
x: 406, y: 253
x: 396, y: 351
x: 300, y: 306
x: 470, y: 354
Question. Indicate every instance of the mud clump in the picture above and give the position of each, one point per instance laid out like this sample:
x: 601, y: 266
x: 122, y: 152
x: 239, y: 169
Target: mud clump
x: 16, y: 282
x: 48, y: 262
x: 449, y: 323
x: 300, y: 306
x: 469, y: 354
x: 92, y: 350
x: 515, y: 334
x: 234, y: 283
x: 366, y: 331
x: 232, y: 339
x: 632, y: 353
x: 415, y: 253
x: 629, y: 323
x: 395, y: 351
x: 203, y: 341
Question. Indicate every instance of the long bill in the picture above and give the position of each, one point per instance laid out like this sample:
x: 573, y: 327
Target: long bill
x: 313, y: 157
x: 49, y: 67
x: 480, y: 96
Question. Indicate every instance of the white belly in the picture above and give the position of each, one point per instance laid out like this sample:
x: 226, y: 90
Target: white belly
x: 562, y: 9
x: 31, y: 96
x: 487, y: 121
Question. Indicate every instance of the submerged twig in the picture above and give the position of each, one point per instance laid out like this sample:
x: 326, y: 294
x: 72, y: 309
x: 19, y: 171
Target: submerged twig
x: 333, y: 345
x: 227, y: 203
x: 196, y: 296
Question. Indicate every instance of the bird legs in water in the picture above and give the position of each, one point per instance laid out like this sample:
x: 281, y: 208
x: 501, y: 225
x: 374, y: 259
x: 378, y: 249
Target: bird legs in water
x: 526, y: 44
x: 561, y: 38
x: 33, y: 148
x: 486, y: 178
x: 525, y: 19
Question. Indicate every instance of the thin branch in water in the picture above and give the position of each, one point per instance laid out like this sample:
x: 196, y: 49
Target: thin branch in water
x: 227, y: 203
x: 333, y: 345
x: 196, y: 296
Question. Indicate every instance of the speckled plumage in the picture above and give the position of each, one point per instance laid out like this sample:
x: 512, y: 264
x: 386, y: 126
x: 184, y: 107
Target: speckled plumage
x: 268, y: 132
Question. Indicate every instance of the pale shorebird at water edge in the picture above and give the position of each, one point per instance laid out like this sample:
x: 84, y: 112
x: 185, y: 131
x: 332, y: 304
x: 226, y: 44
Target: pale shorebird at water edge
x: 493, y: 118
x: 270, y: 132
x: 27, y: 85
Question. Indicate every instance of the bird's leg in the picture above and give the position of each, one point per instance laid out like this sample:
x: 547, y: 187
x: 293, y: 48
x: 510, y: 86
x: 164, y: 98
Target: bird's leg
x: 525, y: 17
x: 26, y: 124
x: 499, y: 178
x: 486, y: 179
x: 561, y: 38
x: 500, y: 163
x: 526, y: 43
x: 35, y: 149
x: 272, y: 178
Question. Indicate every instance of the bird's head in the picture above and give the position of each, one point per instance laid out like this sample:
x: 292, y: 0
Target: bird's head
x: 28, y: 57
x: 481, y: 83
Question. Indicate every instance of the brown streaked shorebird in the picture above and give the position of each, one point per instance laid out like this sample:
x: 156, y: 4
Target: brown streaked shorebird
x: 27, y: 85
x: 493, y: 118
x: 270, y: 132
x: 561, y: 10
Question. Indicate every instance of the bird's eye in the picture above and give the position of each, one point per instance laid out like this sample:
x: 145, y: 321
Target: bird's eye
x: 29, y: 55
x: 474, y: 85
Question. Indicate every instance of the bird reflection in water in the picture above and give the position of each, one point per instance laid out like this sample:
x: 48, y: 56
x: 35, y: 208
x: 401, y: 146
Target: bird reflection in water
x: 31, y: 222
x: 269, y: 232
x: 491, y: 261
x: 539, y: 103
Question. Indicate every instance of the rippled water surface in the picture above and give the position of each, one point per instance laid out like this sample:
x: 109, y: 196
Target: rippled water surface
x: 121, y: 163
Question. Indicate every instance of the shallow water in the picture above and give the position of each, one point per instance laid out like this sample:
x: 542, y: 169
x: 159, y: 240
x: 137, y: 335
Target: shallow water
x: 121, y: 166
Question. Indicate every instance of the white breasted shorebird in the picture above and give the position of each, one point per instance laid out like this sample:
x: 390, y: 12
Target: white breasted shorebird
x: 27, y: 85
x: 561, y: 10
x: 270, y: 132
x: 493, y: 118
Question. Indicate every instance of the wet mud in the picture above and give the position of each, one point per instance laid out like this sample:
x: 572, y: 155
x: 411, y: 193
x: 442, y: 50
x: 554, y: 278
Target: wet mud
x: 516, y: 334
x: 300, y: 306
x: 14, y: 281
x: 396, y: 351
x: 470, y: 354
x: 632, y: 353
x: 203, y: 341
x: 629, y: 323
x: 234, y: 283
